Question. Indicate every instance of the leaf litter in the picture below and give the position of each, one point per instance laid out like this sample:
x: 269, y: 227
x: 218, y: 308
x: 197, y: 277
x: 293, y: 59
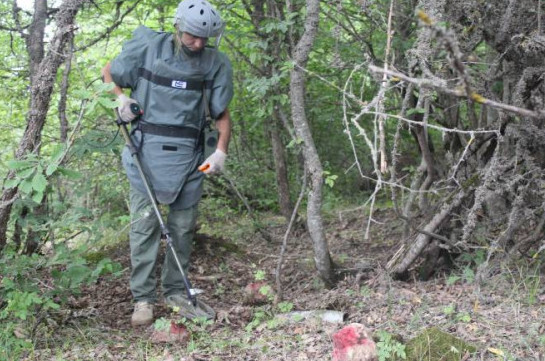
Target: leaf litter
x: 493, y: 316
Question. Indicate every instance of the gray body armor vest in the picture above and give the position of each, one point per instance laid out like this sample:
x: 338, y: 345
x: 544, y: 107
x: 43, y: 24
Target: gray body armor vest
x: 169, y: 87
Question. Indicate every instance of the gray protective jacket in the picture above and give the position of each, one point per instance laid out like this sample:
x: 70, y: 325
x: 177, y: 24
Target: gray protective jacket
x: 169, y: 85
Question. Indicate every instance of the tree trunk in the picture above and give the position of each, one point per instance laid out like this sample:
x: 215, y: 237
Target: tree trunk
x: 312, y: 160
x: 63, y: 120
x: 281, y: 170
x: 42, y: 82
x: 35, y: 38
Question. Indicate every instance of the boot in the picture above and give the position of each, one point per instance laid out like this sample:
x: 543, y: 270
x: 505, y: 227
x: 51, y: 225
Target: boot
x: 143, y: 314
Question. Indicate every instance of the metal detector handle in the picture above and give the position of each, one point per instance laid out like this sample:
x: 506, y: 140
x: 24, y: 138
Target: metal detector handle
x: 136, y: 110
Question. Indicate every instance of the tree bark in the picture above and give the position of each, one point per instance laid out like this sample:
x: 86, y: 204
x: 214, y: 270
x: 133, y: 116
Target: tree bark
x: 42, y: 82
x: 35, y: 38
x: 312, y: 160
x: 281, y: 169
x: 63, y: 120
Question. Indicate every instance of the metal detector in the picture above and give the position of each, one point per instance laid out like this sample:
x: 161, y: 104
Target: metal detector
x: 165, y: 234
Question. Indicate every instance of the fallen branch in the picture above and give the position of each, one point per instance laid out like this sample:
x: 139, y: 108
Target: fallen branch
x: 422, y: 240
x: 427, y: 233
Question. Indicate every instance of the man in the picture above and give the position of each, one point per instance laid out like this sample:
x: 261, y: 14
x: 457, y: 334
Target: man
x: 175, y: 79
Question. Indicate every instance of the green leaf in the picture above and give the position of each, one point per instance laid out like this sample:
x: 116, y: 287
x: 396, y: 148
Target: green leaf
x: 37, y: 197
x: 108, y: 103
x: 52, y: 305
x: 104, y: 87
x: 92, y: 105
x: 77, y: 274
x: 82, y: 93
x: 39, y: 182
x: 26, y: 173
x: 68, y: 173
x: 51, y: 168
x: 287, y: 65
x: 19, y: 164
x: 260, y: 275
x: 8, y: 284
x: 57, y: 153
x: 11, y: 183
x: 26, y: 186
x: 294, y: 142
x: 161, y: 324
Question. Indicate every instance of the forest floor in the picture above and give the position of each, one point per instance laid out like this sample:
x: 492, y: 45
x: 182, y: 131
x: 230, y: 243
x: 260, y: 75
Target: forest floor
x: 502, y: 317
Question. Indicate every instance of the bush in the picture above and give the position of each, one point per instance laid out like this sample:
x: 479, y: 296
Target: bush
x: 32, y: 287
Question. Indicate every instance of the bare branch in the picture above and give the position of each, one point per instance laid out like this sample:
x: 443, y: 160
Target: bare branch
x: 119, y: 20
x: 442, y: 88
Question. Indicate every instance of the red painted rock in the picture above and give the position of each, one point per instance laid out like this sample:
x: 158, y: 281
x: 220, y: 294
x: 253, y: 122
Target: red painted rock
x: 257, y: 293
x: 176, y: 333
x: 354, y: 343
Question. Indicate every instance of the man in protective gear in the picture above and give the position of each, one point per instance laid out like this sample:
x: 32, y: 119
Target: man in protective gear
x: 175, y: 79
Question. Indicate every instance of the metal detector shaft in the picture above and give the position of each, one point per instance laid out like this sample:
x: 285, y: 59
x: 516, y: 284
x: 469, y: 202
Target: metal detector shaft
x: 165, y: 234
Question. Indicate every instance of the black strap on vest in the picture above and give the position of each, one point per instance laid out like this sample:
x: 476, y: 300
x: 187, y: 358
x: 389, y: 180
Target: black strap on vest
x: 168, y: 131
x: 174, y: 83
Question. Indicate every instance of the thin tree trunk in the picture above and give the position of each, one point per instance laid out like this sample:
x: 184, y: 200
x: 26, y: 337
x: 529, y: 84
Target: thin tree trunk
x: 64, y: 92
x: 312, y: 160
x: 42, y: 82
x: 281, y: 170
x: 35, y: 38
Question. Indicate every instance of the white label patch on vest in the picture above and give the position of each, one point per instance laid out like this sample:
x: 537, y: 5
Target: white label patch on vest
x: 179, y: 84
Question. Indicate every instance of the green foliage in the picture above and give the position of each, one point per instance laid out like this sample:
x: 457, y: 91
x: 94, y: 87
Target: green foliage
x: 449, y: 310
x: 266, y: 290
x: 434, y: 344
x: 533, y: 287
x: 259, y: 317
x: 31, y: 173
x: 330, y: 178
x: 464, y: 317
x: 452, y: 279
x: 260, y: 275
x: 162, y: 324
x: 33, y: 287
x: 388, y: 348
x: 474, y: 258
x: 98, y: 95
x: 285, y: 307
x: 267, y: 316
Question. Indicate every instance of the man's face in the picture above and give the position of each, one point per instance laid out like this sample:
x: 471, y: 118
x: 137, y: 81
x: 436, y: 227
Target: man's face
x: 193, y: 43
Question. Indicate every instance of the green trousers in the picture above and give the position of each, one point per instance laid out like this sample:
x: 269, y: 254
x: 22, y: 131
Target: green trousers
x: 145, y: 234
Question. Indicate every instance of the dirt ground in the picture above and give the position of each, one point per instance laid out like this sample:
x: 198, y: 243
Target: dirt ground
x: 503, y: 317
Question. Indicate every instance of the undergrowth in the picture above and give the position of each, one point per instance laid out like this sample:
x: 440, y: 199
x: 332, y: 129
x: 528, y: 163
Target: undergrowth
x: 32, y: 288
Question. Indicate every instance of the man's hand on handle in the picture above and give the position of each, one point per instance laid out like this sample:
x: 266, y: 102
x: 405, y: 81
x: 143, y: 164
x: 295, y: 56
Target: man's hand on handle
x: 214, y: 164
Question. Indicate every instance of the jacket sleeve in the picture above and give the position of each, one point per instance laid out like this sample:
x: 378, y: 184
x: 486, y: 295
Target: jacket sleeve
x: 222, y: 90
x: 124, y: 68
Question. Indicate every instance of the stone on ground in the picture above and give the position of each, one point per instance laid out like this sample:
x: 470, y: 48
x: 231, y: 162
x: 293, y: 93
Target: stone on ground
x: 173, y: 333
x: 354, y: 343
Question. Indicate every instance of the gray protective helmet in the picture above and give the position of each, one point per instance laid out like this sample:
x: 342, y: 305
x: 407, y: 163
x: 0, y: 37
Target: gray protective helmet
x: 198, y: 18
